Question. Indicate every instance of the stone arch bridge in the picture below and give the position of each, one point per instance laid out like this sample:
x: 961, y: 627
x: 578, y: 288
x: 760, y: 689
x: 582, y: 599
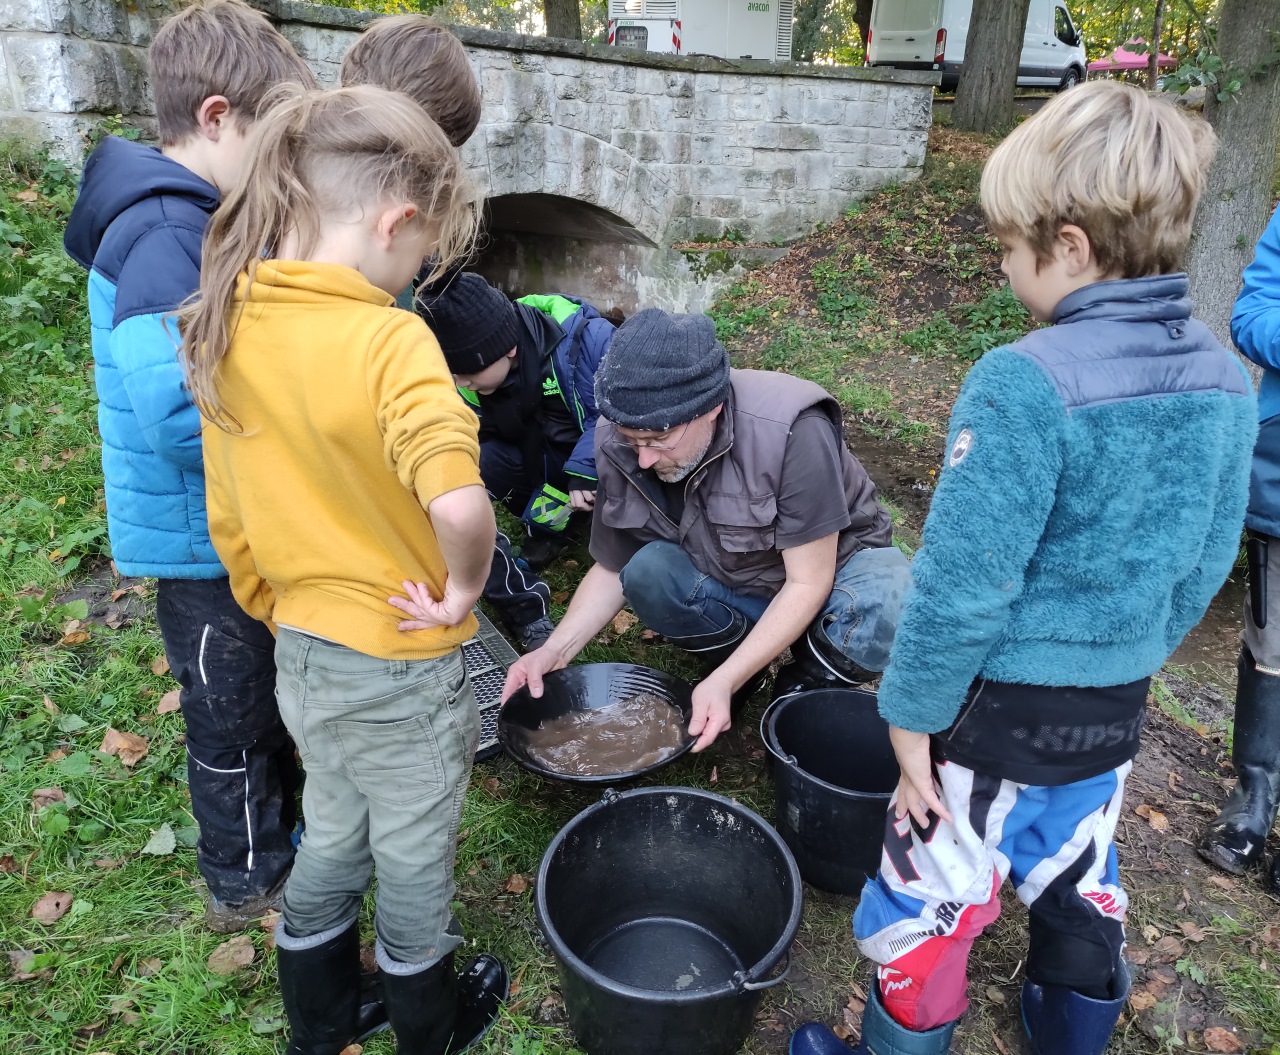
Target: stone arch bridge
x: 586, y: 144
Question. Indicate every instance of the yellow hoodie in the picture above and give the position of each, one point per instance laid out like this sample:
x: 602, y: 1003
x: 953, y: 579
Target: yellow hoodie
x: 349, y: 425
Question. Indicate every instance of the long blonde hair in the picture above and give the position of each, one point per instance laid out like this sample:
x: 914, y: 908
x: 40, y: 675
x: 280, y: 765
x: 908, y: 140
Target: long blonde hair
x: 313, y: 155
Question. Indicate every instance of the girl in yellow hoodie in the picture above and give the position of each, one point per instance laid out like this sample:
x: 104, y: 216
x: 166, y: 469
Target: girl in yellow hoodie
x: 340, y: 463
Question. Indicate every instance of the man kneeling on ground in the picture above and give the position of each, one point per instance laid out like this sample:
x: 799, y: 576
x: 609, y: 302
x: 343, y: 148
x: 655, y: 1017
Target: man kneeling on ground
x: 732, y: 518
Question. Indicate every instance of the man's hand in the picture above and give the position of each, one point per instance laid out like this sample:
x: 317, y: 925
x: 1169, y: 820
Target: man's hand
x: 917, y: 790
x: 425, y: 612
x: 710, y: 717
x: 582, y: 501
x: 531, y: 668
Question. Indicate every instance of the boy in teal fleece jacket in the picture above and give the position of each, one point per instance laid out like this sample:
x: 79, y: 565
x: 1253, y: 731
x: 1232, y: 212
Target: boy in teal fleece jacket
x: 1089, y: 508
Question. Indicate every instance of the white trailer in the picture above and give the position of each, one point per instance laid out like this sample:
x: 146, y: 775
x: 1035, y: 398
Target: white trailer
x: 729, y: 29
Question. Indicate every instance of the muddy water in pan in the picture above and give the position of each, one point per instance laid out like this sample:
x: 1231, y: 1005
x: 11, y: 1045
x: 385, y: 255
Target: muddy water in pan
x: 632, y: 734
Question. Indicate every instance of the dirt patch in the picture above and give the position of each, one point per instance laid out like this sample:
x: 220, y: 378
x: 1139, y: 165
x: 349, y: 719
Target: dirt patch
x: 904, y: 477
x: 114, y: 600
x: 960, y: 146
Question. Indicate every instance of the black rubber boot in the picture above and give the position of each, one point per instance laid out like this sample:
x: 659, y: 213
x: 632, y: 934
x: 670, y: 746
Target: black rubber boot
x: 438, y: 1012
x: 1235, y: 840
x: 1272, y: 882
x: 713, y: 649
x: 320, y: 984
x: 817, y: 664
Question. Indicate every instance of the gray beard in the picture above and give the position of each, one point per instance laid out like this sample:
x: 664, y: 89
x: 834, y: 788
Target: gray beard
x: 681, y: 472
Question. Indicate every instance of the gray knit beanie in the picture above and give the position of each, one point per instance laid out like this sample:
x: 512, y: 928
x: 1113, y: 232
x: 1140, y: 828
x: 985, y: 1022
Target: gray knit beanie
x: 662, y: 370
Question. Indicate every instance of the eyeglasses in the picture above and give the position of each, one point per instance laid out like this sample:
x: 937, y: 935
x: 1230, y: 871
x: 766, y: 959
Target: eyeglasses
x: 645, y: 445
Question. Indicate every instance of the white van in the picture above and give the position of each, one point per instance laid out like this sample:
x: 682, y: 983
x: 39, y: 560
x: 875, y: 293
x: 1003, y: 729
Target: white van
x: 930, y: 35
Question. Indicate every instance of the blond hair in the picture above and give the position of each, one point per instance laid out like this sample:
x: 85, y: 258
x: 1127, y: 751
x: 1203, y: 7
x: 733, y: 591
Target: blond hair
x: 1126, y: 168
x: 316, y: 155
x: 416, y: 55
x: 217, y: 47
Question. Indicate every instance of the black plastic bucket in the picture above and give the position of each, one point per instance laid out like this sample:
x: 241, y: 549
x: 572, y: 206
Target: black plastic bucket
x: 834, y: 773
x: 667, y: 909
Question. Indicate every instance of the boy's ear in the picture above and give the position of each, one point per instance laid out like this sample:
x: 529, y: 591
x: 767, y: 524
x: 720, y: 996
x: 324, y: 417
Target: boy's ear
x: 1074, y: 249
x: 213, y: 117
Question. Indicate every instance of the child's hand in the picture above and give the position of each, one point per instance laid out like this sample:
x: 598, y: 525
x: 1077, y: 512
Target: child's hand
x: 426, y: 612
x: 917, y: 791
x: 582, y: 501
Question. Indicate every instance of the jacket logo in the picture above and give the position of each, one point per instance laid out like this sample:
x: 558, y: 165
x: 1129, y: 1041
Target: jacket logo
x: 888, y: 983
x: 961, y: 448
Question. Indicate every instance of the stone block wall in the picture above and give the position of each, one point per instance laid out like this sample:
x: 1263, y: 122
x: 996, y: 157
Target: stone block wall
x: 677, y: 147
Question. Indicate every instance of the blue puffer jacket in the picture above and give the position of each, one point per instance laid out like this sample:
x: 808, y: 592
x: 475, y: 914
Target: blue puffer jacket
x: 1089, y: 507
x: 137, y: 227
x: 1255, y: 327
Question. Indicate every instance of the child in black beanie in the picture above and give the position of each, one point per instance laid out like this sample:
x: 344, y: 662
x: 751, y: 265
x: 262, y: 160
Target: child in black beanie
x: 528, y: 370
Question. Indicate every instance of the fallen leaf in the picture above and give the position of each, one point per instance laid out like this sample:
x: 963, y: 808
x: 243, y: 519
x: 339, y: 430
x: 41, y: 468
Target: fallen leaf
x: 1153, y: 817
x: 50, y: 706
x: 42, y: 797
x: 1141, y: 1000
x: 715, y: 775
x: 8, y: 865
x: 269, y: 921
x: 1223, y: 882
x: 352, y: 1049
x: 130, y: 747
x: 27, y: 196
x: 623, y: 621
x: 560, y: 596
x: 75, y: 637
x: 162, y: 843
x: 995, y: 995
x: 231, y: 956
x: 1173, y: 780
x: 93, y: 1031
x: 493, y: 786
x: 842, y: 1031
x: 159, y: 665
x: 649, y: 636
x: 169, y: 702
x: 1000, y: 1046
x: 1137, y: 957
x: 56, y: 755
x: 51, y: 907
x: 1192, y: 931
x: 516, y: 884
x: 116, y: 964
x: 1222, y: 1040
x: 1152, y: 934
x: 151, y: 965
x: 1168, y: 947
x: 107, y: 864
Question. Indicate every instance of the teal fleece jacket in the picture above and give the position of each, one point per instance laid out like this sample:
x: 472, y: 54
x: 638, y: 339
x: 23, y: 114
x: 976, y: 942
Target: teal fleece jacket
x: 1089, y: 506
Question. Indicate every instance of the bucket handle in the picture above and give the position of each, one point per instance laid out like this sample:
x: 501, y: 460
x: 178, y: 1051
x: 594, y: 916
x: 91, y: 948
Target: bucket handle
x: 740, y: 978
x: 789, y: 760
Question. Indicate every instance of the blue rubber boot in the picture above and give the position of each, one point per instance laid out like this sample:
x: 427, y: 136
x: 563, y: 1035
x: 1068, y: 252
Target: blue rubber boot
x: 881, y: 1035
x: 1060, y: 1021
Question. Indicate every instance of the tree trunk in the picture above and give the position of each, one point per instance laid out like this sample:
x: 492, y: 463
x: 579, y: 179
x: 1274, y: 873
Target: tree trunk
x: 984, y: 96
x: 862, y: 19
x: 563, y: 19
x: 1153, y: 56
x: 1237, y: 197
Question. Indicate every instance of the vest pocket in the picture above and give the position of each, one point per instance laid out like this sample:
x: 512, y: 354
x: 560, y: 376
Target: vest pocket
x: 744, y: 524
x: 624, y: 512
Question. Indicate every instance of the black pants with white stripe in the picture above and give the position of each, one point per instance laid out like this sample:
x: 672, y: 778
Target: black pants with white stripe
x: 518, y: 596
x: 240, y: 760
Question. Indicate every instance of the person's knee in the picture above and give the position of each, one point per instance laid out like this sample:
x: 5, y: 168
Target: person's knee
x: 1086, y: 960
x: 656, y: 579
x: 861, y: 616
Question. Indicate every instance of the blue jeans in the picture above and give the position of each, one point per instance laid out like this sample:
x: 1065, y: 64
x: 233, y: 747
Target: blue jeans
x: 672, y: 597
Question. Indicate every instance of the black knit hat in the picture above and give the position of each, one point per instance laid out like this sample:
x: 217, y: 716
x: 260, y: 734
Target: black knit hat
x: 475, y: 324
x: 662, y: 370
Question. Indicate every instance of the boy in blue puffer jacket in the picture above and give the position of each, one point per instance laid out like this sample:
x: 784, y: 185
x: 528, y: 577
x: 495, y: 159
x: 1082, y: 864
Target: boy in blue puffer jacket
x: 137, y: 227
x: 1089, y: 508
x: 528, y: 369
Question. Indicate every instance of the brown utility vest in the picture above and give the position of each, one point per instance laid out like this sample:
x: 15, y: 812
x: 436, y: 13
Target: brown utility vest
x: 730, y: 507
